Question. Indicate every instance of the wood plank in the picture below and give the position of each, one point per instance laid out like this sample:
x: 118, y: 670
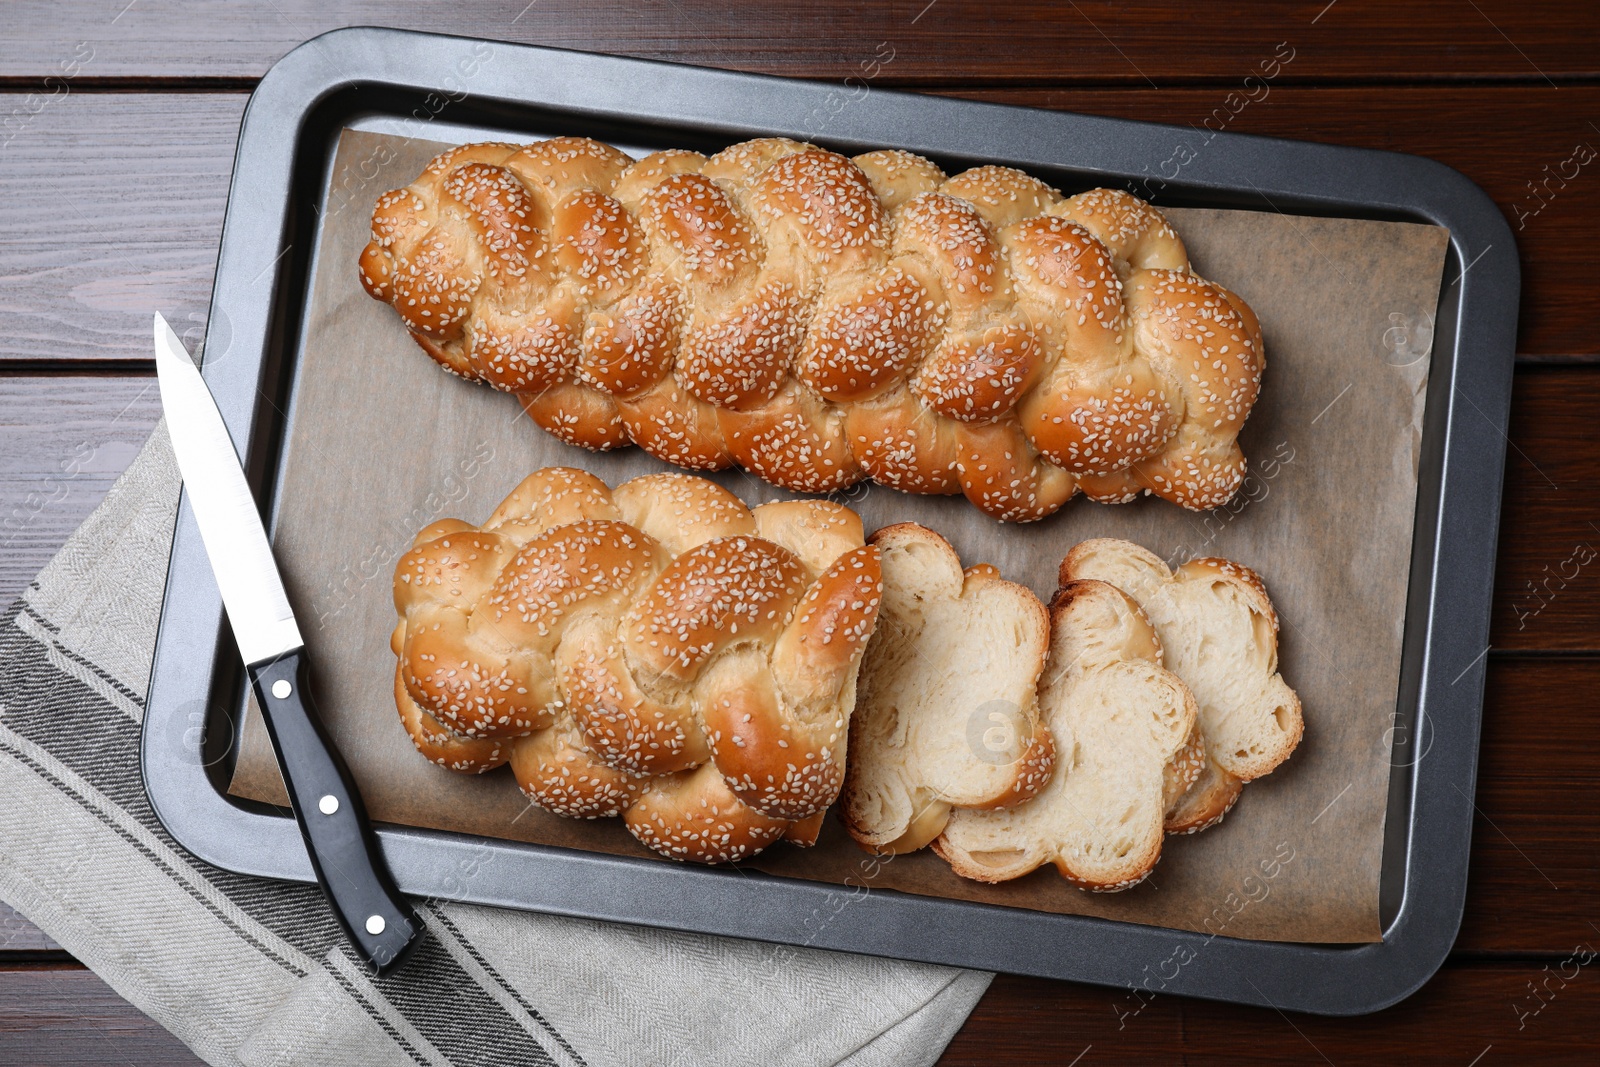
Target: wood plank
x: 1038, y: 1021
x: 1466, y: 1015
x: 101, y: 227
x: 1535, y: 788
x: 63, y: 441
x: 939, y: 40
x: 1534, y: 881
x: 69, y: 1016
x: 19, y: 935
x: 107, y: 221
x: 1547, y: 580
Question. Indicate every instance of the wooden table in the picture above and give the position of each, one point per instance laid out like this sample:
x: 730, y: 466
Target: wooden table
x: 117, y: 128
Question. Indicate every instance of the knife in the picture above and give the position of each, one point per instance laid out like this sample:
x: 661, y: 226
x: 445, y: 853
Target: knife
x: 344, y: 850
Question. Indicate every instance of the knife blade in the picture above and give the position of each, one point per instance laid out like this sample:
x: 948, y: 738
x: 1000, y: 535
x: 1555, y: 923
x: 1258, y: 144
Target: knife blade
x: 344, y: 851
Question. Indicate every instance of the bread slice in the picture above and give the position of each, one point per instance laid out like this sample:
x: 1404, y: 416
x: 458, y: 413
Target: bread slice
x: 1120, y: 721
x: 1220, y: 635
x: 946, y: 711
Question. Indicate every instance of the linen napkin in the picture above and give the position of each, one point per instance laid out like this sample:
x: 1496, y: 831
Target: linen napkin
x: 250, y: 972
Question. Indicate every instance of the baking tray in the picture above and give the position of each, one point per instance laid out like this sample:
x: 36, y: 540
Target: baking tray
x: 404, y: 82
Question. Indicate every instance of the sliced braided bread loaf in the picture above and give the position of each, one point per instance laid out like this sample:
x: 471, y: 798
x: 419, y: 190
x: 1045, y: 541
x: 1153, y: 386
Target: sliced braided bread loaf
x: 658, y: 651
x: 1220, y: 633
x: 819, y: 320
x: 947, y: 712
x: 1120, y: 723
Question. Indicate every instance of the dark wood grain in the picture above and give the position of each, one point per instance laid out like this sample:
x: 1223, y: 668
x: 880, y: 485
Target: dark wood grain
x: 104, y: 223
x: 1547, y: 581
x: 65, y: 1015
x: 112, y: 209
x: 1465, y: 1013
x: 1022, y: 40
x: 18, y: 935
x: 63, y: 441
x: 1534, y: 881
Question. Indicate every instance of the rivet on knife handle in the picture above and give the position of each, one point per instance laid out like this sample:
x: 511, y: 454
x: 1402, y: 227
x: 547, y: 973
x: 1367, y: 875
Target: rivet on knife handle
x: 343, y: 848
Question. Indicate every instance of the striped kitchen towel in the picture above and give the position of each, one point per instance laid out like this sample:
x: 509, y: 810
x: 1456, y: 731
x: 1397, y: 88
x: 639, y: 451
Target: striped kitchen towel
x: 252, y: 972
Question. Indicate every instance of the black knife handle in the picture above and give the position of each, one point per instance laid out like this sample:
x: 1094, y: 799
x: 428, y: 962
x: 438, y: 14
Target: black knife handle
x: 344, y: 850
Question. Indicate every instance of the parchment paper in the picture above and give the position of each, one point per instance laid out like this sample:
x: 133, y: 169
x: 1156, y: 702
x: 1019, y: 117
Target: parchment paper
x: 383, y: 442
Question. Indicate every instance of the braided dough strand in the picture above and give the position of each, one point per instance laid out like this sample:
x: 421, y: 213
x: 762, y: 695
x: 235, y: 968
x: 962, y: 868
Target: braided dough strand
x: 818, y: 320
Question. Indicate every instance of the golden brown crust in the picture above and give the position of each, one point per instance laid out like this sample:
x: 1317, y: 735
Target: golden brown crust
x: 1132, y: 230
x: 1002, y: 195
x: 818, y: 319
x: 897, y: 443
x: 1210, y: 797
x: 557, y: 773
x: 695, y: 816
x: 629, y: 347
x: 1196, y: 337
x: 897, y: 176
x: 780, y: 741
x: 621, y: 724
x: 657, y: 651
x: 733, y: 589
x: 978, y: 377
x: 1107, y: 408
x: 997, y: 475
x: 676, y: 428
x: 442, y: 745
x: 464, y: 678
x: 804, y: 833
x: 797, y: 437
x: 683, y: 511
x: 579, y: 416
x: 1182, y: 772
x: 862, y: 341
x: 545, y: 499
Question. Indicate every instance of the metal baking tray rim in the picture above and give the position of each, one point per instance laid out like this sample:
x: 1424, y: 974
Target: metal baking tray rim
x: 1439, y: 704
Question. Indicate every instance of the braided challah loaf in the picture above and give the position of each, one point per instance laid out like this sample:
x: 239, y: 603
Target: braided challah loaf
x: 658, y: 651
x: 819, y: 320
